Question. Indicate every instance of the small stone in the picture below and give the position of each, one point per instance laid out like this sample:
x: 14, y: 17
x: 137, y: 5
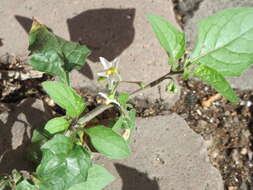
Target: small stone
x: 244, y: 151
x: 199, y: 112
x: 49, y: 101
x: 236, y: 156
x: 236, y: 119
x: 227, y: 113
x: 249, y: 103
x: 206, y: 88
x: 232, y: 188
x: 233, y: 113
x: 202, y: 123
x: 250, y: 155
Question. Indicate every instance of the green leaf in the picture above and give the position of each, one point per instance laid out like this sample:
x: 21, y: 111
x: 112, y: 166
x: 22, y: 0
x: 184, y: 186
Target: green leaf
x: 102, y: 79
x: 125, y: 121
x: 65, y: 97
x: 123, y: 98
x: 63, y: 164
x: 108, y: 143
x: 119, y: 124
x: 217, y: 81
x: 56, y: 125
x: 170, y: 87
x: 98, y: 178
x: 38, y: 137
x: 225, y: 41
x: 49, y: 62
x: 170, y: 38
x: 141, y: 85
x: 53, y: 54
x: 25, y: 185
x: 131, y: 123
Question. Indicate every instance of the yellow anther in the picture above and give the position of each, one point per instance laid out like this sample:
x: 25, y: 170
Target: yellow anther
x: 111, y: 71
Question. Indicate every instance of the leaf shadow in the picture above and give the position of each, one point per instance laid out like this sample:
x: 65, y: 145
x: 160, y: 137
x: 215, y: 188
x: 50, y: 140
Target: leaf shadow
x: 1, y: 42
x: 107, y: 32
x: 20, y: 120
x: 134, y: 179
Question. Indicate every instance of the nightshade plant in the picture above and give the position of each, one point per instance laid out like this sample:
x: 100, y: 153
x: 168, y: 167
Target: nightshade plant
x: 224, y: 48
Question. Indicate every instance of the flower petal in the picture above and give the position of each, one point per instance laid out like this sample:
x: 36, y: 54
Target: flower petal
x: 102, y: 74
x: 103, y: 95
x: 106, y: 64
x: 115, y: 62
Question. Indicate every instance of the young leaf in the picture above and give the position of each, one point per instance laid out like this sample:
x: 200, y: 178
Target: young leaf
x: 131, y: 123
x: 108, y: 143
x: 98, y: 178
x: 125, y: 122
x: 65, y: 97
x: 225, y: 41
x: 119, y: 124
x: 25, y: 185
x: 53, y: 54
x: 123, y: 98
x: 217, y: 81
x: 170, y: 38
x: 56, y: 125
x: 170, y: 87
x: 63, y: 164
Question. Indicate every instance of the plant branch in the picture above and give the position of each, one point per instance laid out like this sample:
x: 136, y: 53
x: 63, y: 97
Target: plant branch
x: 100, y: 109
x: 157, y: 81
x: 92, y: 114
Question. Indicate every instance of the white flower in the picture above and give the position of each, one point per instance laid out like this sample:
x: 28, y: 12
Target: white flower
x: 110, y: 68
x: 108, y: 100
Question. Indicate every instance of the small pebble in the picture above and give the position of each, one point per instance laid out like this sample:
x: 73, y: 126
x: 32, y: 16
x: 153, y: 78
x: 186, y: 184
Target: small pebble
x: 233, y: 113
x: 242, y: 103
x: 244, y: 151
x: 232, y: 188
x: 250, y: 155
x: 227, y: 113
x: 236, y: 156
x: 49, y: 101
x: 249, y: 103
x: 236, y: 120
x: 215, y: 154
x: 199, y: 112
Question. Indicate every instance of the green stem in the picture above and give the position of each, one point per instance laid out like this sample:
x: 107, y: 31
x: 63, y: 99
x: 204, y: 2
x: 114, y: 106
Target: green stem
x: 100, y: 109
x: 67, y: 78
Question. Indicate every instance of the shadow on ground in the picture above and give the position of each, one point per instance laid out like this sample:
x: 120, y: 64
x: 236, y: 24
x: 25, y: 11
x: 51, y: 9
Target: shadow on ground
x: 20, y: 121
x: 106, y: 32
x: 134, y: 179
x: 1, y: 42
